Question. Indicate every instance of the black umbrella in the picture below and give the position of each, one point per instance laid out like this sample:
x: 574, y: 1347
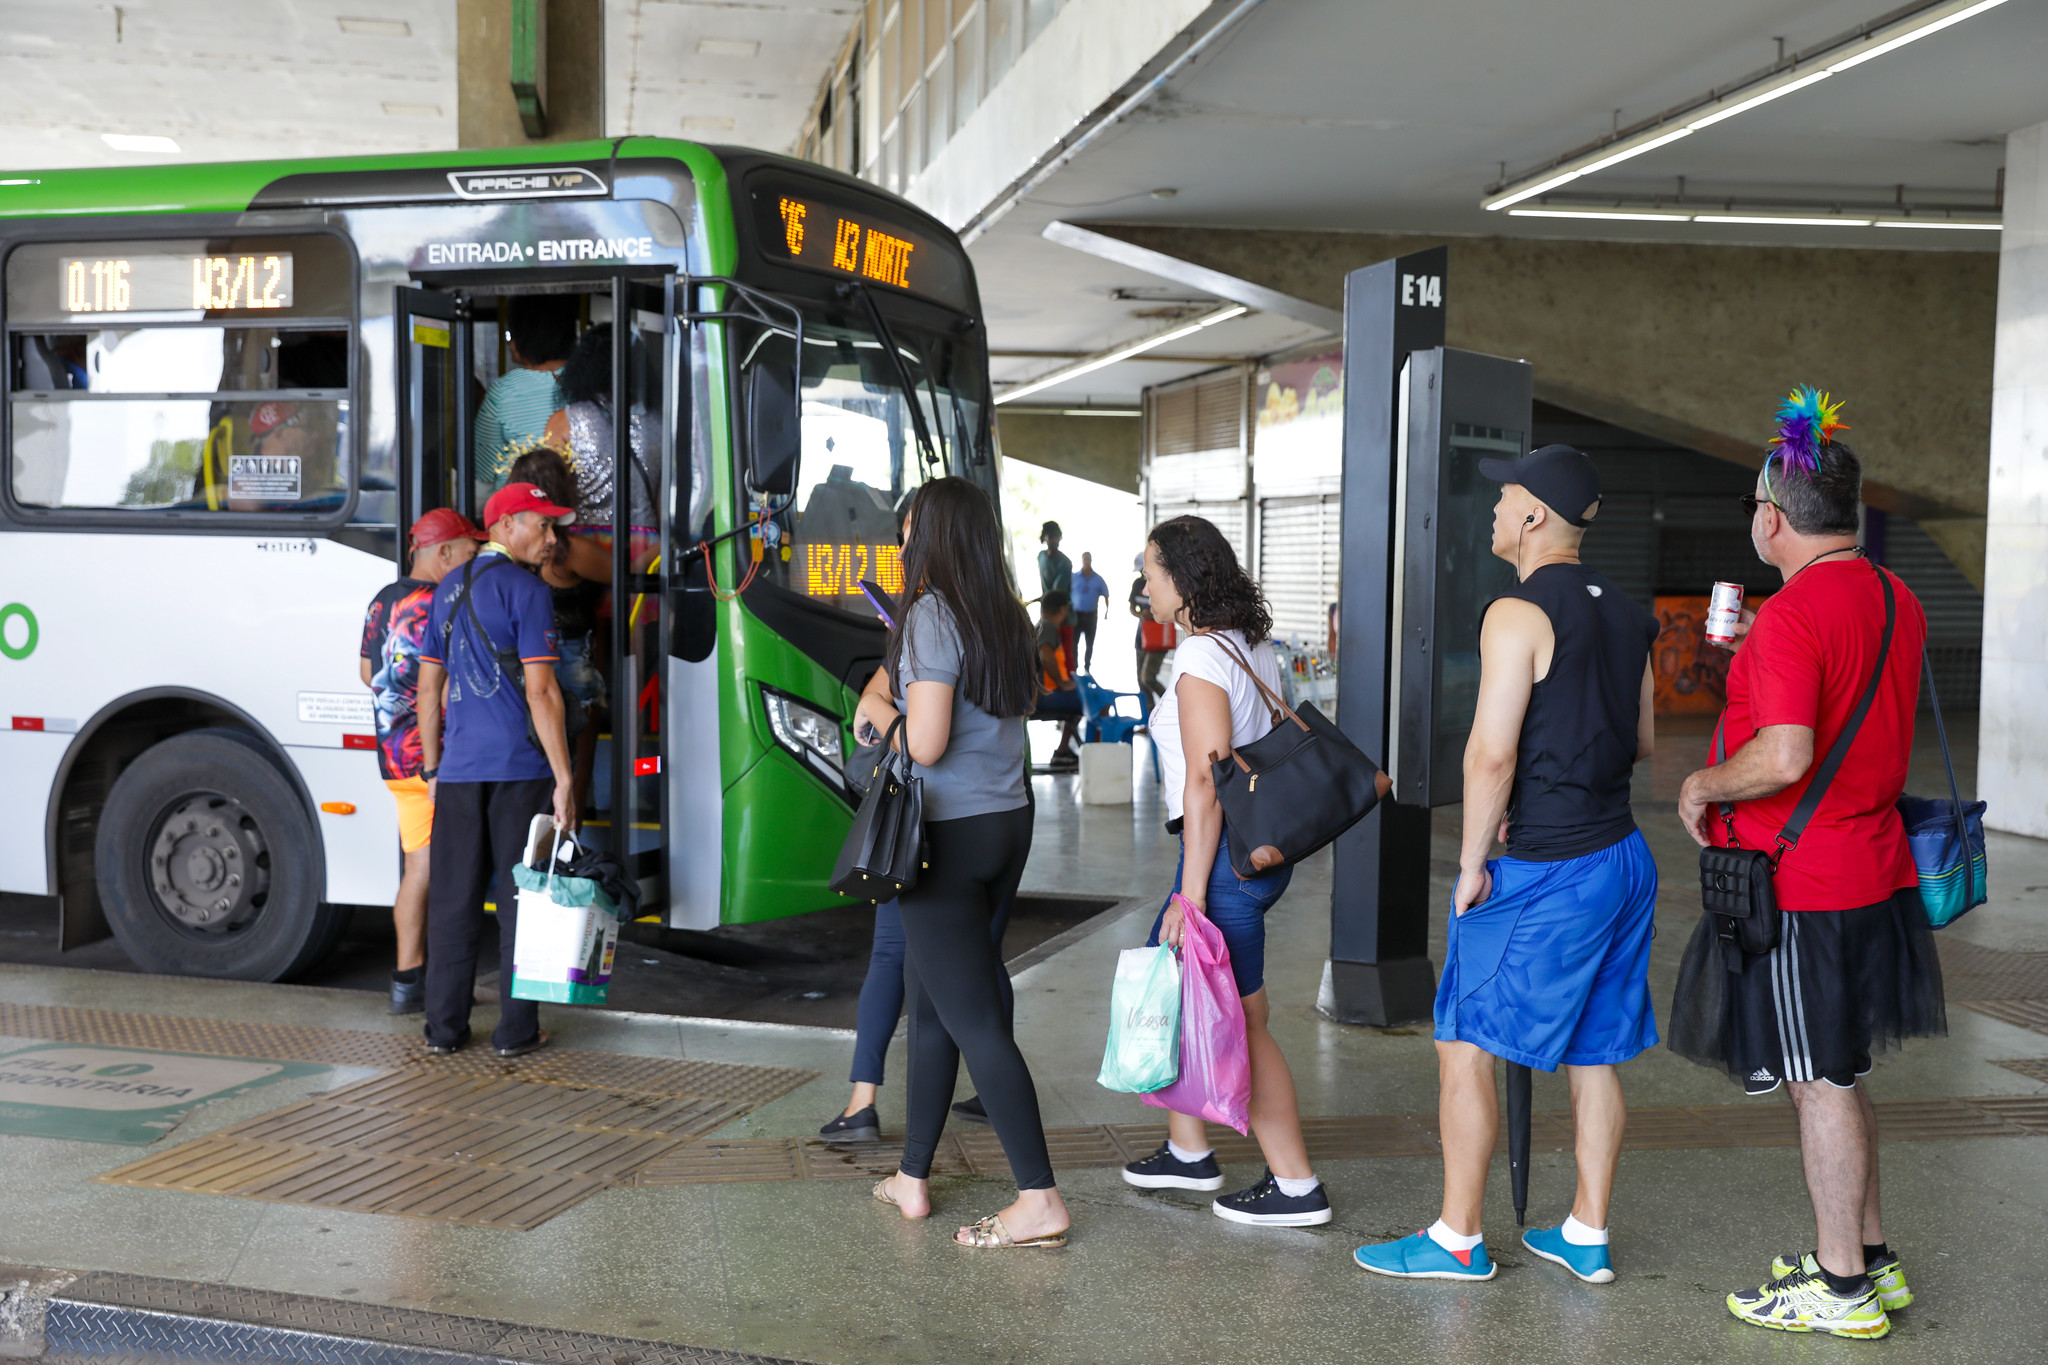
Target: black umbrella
x: 1518, y: 1138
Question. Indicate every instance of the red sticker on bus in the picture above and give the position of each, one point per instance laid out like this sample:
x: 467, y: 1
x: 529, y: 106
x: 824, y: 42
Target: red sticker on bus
x: 28, y: 722
x: 358, y: 741
x: 646, y: 767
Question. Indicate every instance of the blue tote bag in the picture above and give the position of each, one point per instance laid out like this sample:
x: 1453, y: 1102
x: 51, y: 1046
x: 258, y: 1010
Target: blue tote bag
x: 1947, y: 837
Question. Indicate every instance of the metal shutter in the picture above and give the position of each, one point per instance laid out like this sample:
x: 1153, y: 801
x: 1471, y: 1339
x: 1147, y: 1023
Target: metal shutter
x: 1955, y: 610
x: 1298, y: 562
x: 1195, y: 461
x: 1622, y: 543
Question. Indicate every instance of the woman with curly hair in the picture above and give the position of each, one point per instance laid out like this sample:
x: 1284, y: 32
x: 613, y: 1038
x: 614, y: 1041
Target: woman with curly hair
x: 1195, y: 582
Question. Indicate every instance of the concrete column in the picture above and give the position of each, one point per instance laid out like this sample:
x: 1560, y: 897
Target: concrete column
x: 485, y: 113
x: 2012, y: 762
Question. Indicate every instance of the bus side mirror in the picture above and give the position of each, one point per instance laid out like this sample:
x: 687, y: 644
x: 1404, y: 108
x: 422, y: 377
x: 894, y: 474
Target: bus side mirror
x: 774, y: 428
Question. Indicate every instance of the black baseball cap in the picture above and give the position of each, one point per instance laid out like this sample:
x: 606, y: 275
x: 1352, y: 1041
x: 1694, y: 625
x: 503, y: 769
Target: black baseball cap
x: 1562, y: 478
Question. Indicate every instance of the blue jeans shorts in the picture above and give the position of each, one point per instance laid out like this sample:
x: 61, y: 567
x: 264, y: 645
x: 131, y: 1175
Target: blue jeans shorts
x: 1237, y: 907
x: 577, y: 671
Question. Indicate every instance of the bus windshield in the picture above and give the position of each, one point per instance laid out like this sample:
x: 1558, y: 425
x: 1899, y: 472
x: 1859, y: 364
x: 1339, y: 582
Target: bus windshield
x: 864, y: 454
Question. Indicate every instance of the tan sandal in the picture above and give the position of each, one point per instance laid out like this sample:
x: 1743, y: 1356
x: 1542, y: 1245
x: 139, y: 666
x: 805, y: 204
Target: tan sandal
x: 882, y: 1195
x: 990, y: 1234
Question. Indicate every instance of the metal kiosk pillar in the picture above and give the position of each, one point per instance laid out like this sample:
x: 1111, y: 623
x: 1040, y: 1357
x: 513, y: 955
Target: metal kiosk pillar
x: 1379, y: 970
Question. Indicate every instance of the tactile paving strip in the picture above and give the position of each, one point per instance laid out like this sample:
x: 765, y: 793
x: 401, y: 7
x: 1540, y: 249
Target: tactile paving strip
x: 494, y: 1151
x: 749, y: 1085
x: 978, y: 1152
x: 1970, y: 972
x: 2033, y: 1068
x: 105, y: 1317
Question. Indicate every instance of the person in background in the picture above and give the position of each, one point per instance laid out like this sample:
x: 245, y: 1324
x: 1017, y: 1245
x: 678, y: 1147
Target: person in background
x: 1855, y: 970
x: 1056, y: 575
x: 576, y: 607
x: 1059, y: 695
x: 1194, y: 579
x: 1549, y: 953
x: 1090, y: 592
x: 582, y: 431
x: 1150, y: 661
x: 959, y: 658
x: 540, y: 332
x: 394, y: 629
x: 490, y: 777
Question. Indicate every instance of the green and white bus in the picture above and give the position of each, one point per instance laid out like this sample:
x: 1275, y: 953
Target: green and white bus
x: 231, y: 386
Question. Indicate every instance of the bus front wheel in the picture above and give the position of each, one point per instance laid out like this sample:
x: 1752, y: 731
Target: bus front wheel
x: 207, y: 864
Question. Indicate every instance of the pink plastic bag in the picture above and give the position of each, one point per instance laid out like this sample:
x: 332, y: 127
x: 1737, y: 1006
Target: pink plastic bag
x: 1215, y: 1067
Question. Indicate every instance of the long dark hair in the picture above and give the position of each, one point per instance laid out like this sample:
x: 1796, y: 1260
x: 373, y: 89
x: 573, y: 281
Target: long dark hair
x: 956, y: 550
x: 587, y: 375
x: 1218, y: 593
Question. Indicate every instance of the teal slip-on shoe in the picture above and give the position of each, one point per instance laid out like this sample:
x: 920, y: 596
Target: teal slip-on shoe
x: 1421, y: 1258
x: 1588, y: 1263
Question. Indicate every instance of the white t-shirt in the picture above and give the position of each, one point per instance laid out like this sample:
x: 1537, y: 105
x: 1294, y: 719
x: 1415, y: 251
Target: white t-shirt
x: 1200, y: 656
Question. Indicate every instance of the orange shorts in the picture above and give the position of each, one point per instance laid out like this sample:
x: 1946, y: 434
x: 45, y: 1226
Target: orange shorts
x: 415, y: 812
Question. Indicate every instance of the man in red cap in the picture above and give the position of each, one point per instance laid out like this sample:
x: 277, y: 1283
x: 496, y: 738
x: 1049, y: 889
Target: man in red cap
x: 505, y: 759
x: 394, y: 629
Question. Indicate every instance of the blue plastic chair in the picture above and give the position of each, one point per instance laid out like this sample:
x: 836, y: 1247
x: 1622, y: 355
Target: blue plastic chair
x: 1103, y: 723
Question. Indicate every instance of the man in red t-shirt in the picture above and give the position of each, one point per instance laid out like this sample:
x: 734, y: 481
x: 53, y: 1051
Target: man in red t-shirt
x: 1855, y: 968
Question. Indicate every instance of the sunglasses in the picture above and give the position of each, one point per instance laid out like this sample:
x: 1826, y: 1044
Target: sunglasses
x: 1750, y: 502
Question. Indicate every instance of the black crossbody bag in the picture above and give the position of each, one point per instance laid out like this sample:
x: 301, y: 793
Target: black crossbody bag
x: 1735, y: 882
x: 884, y: 851
x: 510, y: 665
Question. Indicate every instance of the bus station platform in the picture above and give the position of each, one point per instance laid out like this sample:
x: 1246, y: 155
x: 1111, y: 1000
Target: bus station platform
x: 650, y: 1188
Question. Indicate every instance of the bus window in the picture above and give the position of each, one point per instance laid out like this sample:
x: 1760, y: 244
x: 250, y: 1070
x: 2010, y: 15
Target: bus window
x: 179, y: 376
x: 861, y: 454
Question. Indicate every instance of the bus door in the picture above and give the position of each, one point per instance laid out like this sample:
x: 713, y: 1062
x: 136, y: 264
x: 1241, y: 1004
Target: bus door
x: 629, y: 789
x: 433, y: 365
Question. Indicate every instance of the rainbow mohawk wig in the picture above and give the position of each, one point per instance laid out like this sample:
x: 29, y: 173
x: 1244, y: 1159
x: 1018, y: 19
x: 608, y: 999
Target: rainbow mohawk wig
x: 1806, y: 422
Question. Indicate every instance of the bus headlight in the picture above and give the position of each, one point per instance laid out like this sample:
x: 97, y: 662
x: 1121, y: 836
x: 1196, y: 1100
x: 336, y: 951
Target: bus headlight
x: 812, y: 735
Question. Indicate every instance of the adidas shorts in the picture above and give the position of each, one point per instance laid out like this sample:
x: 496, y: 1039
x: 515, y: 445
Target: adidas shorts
x: 1840, y: 985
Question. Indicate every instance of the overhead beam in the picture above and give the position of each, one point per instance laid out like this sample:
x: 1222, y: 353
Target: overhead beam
x: 1194, y: 276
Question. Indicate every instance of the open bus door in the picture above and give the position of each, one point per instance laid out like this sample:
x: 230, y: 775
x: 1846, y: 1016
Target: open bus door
x: 433, y: 369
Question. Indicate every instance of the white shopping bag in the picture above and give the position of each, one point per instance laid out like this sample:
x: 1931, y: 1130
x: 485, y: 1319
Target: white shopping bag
x: 563, y: 950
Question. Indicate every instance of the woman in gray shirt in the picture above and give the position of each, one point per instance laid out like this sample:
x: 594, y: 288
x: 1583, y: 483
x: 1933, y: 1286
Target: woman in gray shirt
x: 960, y: 657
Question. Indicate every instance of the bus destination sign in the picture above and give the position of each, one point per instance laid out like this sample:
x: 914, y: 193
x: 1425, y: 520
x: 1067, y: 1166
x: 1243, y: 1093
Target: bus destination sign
x: 797, y: 224
x: 165, y: 283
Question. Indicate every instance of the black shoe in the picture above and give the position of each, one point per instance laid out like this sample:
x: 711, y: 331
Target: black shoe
x: 435, y: 1049
x: 1164, y: 1171
x: 969, y: 1110
x: 540, y: 1040
x: 1264, y: 1203
x: 863, y: 1125
x: 1065, y: 761
x: 408, y: 997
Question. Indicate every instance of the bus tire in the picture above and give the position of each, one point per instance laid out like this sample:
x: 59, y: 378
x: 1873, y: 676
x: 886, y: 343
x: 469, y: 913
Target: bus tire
x: 208, y: 864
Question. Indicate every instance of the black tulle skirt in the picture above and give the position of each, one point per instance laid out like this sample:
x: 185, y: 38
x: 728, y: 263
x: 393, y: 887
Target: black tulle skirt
x: 1840, y: 986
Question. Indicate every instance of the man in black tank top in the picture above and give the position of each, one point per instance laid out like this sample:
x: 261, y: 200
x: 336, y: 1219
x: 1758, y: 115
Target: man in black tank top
x: 1549, y: 945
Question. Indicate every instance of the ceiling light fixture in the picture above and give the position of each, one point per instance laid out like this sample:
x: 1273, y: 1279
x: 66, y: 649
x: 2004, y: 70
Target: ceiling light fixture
x: 1772, y: 220
x: 1602, y: 213
x: 140, y: 142
x: 1123, y: 352
x: 1838, y: 54
x: 728, y: 47
x: 1947, y: 224
x: 374, y: 28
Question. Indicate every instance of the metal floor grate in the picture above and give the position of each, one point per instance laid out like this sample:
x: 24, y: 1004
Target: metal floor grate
x: 493, y: 1151
x: 978, y: 1152
x: 105, y: 1317
x: 1970, y: 972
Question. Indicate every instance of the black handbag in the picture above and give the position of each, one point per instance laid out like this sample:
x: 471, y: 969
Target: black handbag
x: 1735, y: 882
x: 884, y: 851
x: 1292, y: 791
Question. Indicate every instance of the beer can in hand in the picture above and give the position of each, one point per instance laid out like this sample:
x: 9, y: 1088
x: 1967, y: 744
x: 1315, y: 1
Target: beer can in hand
x: 1724, y: 611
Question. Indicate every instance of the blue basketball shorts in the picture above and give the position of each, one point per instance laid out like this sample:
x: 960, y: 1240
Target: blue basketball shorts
x: 1553, y: 967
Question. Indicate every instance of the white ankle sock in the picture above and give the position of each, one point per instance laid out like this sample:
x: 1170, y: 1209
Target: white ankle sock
x: 1181, y: 1153
x: 1295, y: 1189
x: 1440, y: 1233
x: 1579, y: 1235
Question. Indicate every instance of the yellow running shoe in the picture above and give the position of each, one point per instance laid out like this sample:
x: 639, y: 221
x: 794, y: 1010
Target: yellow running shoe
x: 1887, y: 1275
x: 1802, y: 1302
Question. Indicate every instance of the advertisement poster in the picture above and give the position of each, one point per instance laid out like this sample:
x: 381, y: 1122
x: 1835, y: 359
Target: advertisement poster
x: 1690, y: 675
x: 1298, y: 440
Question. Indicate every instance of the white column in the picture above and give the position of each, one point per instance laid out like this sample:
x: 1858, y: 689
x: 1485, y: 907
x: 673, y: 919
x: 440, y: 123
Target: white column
x: 2012, y: 764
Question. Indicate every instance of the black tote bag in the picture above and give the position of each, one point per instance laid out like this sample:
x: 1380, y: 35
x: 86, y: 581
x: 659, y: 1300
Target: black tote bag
x: 884, y: 851
x: 1293, y: 790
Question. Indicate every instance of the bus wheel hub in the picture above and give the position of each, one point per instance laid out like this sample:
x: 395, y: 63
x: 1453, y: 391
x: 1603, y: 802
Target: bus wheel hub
x: 208, y: 864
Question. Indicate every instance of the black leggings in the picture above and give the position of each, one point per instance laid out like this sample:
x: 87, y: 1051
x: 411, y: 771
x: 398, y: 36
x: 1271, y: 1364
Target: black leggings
x: 953, y: 974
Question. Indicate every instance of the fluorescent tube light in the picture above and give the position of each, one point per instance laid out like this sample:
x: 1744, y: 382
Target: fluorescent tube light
x: 1543, y: 188
x: 1123, y: 352
x: 1771, y: 221
x: 140, y: 142
x: 1652, y: 145
x: 1941, y: 224
x: 1602, y: 213
x: 1914, y: 35
x: 1744, y: 106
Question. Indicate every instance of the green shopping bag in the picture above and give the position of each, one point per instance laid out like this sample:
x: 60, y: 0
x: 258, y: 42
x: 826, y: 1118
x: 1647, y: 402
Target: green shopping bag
x: 1143, y: 1053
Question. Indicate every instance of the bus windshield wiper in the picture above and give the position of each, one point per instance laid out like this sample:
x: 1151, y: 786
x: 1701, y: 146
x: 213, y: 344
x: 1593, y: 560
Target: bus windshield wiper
x: 928, y: 453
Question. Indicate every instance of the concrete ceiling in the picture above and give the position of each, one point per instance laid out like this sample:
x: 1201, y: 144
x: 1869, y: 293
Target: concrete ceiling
x: 1329, y: 114
x: 240, y: 79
